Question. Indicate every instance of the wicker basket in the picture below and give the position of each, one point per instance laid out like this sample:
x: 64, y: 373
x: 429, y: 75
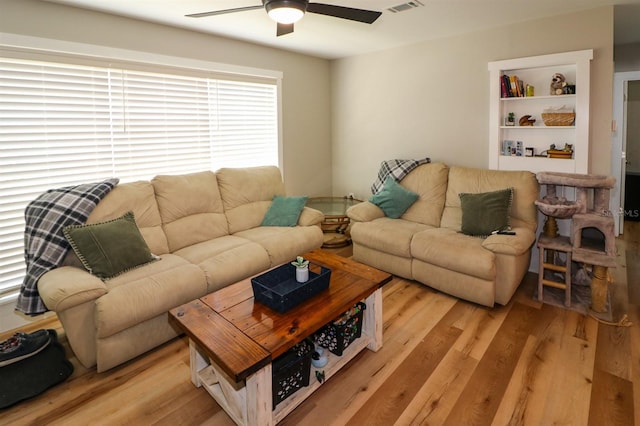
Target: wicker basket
x: 558, y: 118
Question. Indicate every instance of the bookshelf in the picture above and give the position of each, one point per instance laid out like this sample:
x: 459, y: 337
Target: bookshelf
x: 537, y: 71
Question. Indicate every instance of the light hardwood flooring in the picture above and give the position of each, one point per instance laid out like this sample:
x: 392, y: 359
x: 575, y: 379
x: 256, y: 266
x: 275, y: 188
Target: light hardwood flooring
x: 444, y: 362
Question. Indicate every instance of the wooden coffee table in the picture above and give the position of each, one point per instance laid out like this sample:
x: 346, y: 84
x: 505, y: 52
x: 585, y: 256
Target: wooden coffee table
x: 233, y: 340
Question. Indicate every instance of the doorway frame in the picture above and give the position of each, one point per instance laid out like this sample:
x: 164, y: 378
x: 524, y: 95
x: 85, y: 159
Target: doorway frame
x: 618, y: 144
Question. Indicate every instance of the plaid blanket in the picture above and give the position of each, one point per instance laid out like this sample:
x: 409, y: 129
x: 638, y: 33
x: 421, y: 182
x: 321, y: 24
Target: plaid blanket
x: 396, y: 168
x: 44, y: 243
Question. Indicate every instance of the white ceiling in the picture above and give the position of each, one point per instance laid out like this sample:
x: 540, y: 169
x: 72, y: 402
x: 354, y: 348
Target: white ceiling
x: 332, y: 38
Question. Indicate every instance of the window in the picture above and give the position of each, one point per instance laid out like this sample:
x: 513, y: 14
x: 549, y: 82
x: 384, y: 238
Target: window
x: 62, y: 124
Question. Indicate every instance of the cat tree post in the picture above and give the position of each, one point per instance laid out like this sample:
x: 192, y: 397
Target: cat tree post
x: 599, y: 288
x: 550, y: 228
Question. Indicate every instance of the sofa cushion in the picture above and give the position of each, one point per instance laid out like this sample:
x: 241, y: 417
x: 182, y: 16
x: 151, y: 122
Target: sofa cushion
x: 392, y: 236
x: 226, y: 259
x: 393, y: 199
x: 283, y: 244
x: 452, y: 250
x: 107, y: 249
x: 284, y: 211
x: 247, y: 194
x: 486, y: 212
x: 429, y: 181
x: 190, y: 207
x: 138, y: 197
x: 146, y: 292
x: 513, y: 245
x: 523, y: 212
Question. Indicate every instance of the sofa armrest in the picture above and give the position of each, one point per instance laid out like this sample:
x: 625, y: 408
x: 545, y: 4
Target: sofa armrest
x: 310, y: 217
x: 511, y: 244
x: 364, y: 212
x: 67, y: 286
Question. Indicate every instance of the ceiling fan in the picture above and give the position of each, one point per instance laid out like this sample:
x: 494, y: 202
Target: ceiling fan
x: 287, y: 12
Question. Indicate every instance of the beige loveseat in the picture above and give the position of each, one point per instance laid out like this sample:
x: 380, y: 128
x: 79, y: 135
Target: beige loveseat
x: 205, y: 227
x: 426, y: 244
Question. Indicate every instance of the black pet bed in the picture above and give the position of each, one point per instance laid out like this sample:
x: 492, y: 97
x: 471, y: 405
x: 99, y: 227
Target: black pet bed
x: 33, y: 375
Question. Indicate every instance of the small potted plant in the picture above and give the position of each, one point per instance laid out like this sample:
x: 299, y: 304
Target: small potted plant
x: 302, y: 269
x: 511, y: 119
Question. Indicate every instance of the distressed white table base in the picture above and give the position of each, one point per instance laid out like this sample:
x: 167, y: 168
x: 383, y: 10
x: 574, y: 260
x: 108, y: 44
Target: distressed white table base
x: 249, y: 403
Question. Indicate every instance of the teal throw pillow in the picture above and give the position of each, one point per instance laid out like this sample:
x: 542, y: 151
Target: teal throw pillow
x: 485, y: 212
x: 284, y: 211
x: 109, y: 248
x: 393, y: 198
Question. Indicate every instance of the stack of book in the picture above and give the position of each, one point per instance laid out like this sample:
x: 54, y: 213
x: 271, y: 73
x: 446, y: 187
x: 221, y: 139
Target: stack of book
x: 511, y: 86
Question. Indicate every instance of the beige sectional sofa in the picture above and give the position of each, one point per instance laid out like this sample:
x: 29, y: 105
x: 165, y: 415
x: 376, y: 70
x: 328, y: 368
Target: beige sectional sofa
x: 206, y: 229
x: 426, y: 243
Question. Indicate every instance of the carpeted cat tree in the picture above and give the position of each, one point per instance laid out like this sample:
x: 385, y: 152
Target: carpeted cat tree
x: 592, y: 237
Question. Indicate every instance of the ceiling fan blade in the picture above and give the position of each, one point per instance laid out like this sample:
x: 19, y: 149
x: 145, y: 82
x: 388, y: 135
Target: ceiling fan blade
x: 284, y: 29
x: 360, y: 15
x: 224, y: 11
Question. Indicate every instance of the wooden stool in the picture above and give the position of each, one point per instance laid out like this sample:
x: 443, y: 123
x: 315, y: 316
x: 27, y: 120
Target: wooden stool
x: 557, y: 244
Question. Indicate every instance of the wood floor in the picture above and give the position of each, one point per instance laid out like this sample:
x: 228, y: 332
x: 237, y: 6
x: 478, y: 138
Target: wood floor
x: 444, y: 362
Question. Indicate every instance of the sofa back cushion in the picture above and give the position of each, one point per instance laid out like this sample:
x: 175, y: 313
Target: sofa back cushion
x: 247, y: 193
x: 429, y: 181
x: 523, y: 212
x: 190, y: 208
x: 139, y: 198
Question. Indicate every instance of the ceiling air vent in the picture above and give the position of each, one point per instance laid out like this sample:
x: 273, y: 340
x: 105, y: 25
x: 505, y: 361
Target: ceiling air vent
x: 406, y: 6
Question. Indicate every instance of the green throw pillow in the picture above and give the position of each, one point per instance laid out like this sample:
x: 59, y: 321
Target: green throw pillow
x: 485, y: 212
x: 393, y: 198
x: 284, y: 211
x: 109, y: 248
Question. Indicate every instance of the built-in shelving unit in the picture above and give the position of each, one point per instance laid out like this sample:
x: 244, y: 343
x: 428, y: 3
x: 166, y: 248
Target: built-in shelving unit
x: 537, y: 71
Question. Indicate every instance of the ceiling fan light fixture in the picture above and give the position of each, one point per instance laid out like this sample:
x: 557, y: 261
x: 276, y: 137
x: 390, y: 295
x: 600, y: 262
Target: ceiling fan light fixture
x: 285, y: 11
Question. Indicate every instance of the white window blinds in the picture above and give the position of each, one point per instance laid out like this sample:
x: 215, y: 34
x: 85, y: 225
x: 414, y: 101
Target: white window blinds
x: 63, y: 124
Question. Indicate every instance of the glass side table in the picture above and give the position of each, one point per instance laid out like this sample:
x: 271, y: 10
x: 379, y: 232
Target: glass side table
x: 336, y: 222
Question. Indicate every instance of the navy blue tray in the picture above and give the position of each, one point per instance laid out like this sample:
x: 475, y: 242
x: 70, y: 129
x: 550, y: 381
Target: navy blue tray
x: 279, y: 290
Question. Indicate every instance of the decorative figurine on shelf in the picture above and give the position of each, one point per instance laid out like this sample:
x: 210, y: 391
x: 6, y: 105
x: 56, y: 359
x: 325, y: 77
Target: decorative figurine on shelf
x: 558, y: 83
x: 526, y: 120
x: 302, y: 269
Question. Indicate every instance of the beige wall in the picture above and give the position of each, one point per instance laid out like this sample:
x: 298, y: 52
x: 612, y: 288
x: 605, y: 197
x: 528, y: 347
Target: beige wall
x: 306, y: 80
x: 627, y: 57
x: 431, y: 99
